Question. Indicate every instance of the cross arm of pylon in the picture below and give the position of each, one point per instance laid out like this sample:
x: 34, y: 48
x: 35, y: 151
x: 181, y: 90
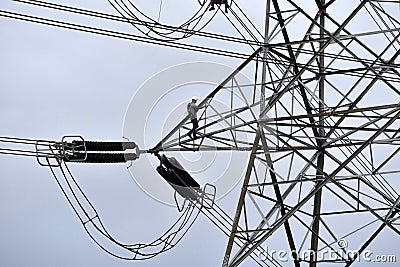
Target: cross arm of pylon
x: 210, y: 96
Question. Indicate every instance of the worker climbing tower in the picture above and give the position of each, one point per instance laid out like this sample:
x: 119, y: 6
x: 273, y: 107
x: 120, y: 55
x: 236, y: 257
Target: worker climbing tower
x: 324, y: 123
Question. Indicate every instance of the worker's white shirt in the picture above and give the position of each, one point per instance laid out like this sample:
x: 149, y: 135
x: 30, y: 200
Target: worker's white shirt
x: 193, y: 108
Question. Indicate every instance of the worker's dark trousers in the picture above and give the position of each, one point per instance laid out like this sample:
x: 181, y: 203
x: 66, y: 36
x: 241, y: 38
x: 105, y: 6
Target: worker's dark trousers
x: 195, y: 125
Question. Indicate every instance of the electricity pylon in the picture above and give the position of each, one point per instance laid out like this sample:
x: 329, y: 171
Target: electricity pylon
x: 321, y: 122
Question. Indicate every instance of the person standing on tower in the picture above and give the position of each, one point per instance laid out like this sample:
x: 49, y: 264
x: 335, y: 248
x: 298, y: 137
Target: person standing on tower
x: 192, y: 109
x: 219, y: 2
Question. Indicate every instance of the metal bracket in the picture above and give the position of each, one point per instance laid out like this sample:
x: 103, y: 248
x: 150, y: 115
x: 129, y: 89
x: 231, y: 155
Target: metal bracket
x: 68, y: 147
x: 208, y: 196
x: 48, y: 155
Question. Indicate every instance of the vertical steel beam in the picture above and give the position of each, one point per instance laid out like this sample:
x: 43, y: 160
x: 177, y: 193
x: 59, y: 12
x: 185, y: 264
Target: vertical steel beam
x: 265, y: 52
x: 279, y: 199
x: 241, y: 201
x: 321, y: 155
x: 255, y: 146
x: 295, y: 66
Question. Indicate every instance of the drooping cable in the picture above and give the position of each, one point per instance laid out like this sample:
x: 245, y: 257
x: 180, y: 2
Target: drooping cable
x: 93, y: 225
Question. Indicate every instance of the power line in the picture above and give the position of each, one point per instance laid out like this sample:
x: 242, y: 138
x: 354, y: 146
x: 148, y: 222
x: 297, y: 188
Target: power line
x: 136, y: 21
x: 157, y: 41
x: 132, y: 37
x: 120, y: 35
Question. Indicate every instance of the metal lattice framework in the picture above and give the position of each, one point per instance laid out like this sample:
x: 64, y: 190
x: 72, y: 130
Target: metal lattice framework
x: 322, y: 123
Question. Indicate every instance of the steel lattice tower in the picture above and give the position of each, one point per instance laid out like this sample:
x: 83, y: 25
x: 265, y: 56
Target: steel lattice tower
x: 322, y: 123
x: 319, y: 122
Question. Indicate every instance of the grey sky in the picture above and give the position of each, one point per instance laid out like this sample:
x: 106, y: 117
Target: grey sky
x: 55, y: 82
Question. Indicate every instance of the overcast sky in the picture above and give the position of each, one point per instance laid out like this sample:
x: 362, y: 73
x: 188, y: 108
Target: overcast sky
x: 57, y: 82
